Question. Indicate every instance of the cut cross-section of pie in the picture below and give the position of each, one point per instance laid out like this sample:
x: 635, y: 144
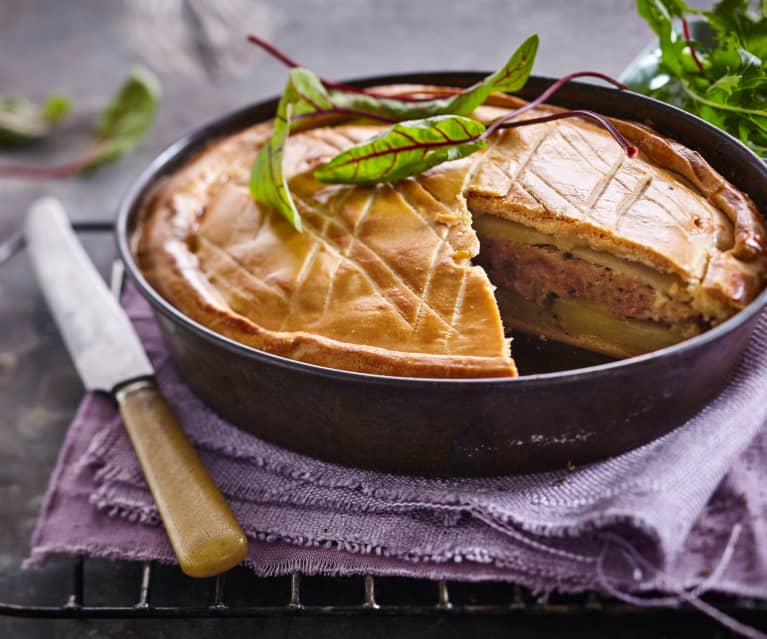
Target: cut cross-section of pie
x: 618, y: 255
x: 584, y: 245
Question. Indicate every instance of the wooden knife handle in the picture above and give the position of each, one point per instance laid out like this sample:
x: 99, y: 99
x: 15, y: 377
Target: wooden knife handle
x: 204, y: 534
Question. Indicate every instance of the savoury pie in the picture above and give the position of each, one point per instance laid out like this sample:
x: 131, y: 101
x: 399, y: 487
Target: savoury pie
x: 550, y: 230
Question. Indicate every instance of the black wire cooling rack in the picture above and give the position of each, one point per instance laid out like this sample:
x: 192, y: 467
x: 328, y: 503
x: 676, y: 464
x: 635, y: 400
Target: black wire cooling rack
x: 123, y: 589
x: 164, y: 592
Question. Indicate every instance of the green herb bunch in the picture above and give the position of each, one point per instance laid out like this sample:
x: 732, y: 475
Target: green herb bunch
x: 722, y: 76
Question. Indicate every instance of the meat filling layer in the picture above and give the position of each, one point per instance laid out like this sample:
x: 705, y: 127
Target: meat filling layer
x: 540, y: 273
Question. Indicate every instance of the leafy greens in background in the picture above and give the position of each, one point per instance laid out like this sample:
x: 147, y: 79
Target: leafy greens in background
x: 122, y: 125
x: 23, y: 121
x: 722, y: 77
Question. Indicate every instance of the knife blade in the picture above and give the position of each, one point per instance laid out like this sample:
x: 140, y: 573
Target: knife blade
x: 98, y: 334
x: 108, y: 354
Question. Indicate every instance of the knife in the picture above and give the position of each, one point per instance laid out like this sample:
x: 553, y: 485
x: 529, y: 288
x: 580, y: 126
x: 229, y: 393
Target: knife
x: 108, y: 355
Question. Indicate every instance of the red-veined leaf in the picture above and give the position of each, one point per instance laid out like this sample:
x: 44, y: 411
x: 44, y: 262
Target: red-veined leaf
x: 406, y: 149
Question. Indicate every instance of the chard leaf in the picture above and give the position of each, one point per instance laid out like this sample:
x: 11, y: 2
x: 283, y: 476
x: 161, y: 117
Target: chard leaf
x: 304, y: 93
x: 386, y: 107
x: 511, y: 77
x: 127, y: 118
x: 405, y: 149
x: 267, y: 180
x: 434, y: 139
x: 23, y: 121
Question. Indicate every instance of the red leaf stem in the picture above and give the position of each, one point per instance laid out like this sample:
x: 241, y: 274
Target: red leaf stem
x: 693, y: 53
x: 630, y: 149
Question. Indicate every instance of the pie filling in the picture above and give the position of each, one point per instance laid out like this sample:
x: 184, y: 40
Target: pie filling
x: 581, y: 296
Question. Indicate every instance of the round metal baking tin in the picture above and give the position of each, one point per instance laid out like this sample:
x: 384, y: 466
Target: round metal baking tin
x: 446, y: 427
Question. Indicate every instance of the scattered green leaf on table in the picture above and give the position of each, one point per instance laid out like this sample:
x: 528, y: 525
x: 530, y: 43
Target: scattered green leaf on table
x: 23, y: 121
x: 659, y: 15
x: 405, y: 149
x: 127, y: 119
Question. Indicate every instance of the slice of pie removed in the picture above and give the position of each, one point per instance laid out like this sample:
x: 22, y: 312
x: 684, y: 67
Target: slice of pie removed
x: 586, y: 246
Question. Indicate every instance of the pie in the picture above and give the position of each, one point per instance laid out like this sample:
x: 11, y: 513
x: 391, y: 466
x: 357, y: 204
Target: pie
x: 550, y: 230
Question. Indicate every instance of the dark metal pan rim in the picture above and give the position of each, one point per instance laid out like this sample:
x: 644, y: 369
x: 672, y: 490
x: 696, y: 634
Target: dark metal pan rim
x: 222, y: 125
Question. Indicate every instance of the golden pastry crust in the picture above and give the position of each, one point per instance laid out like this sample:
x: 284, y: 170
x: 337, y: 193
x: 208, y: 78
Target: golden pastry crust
x: 381, y: 281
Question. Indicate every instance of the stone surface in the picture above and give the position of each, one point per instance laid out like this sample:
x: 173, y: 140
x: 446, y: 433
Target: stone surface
x: 85, y: 48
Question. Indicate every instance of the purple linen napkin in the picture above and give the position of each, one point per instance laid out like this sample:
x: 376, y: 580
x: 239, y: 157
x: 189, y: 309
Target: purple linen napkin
x: 666, y: 516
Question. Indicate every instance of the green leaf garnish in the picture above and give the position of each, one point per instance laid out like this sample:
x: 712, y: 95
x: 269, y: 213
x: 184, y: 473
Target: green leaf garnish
x: 387, y: 107
x: 303, y: 94
x: 127, y: 118
x: 433, y: 139
x: 405, y: 149
x: 426, y: 132
x: 23, y: 121
x: 722, y: 77
x: 511, y: 77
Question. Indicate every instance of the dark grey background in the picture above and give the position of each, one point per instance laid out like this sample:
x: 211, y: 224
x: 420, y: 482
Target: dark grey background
x: 197, y: 48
